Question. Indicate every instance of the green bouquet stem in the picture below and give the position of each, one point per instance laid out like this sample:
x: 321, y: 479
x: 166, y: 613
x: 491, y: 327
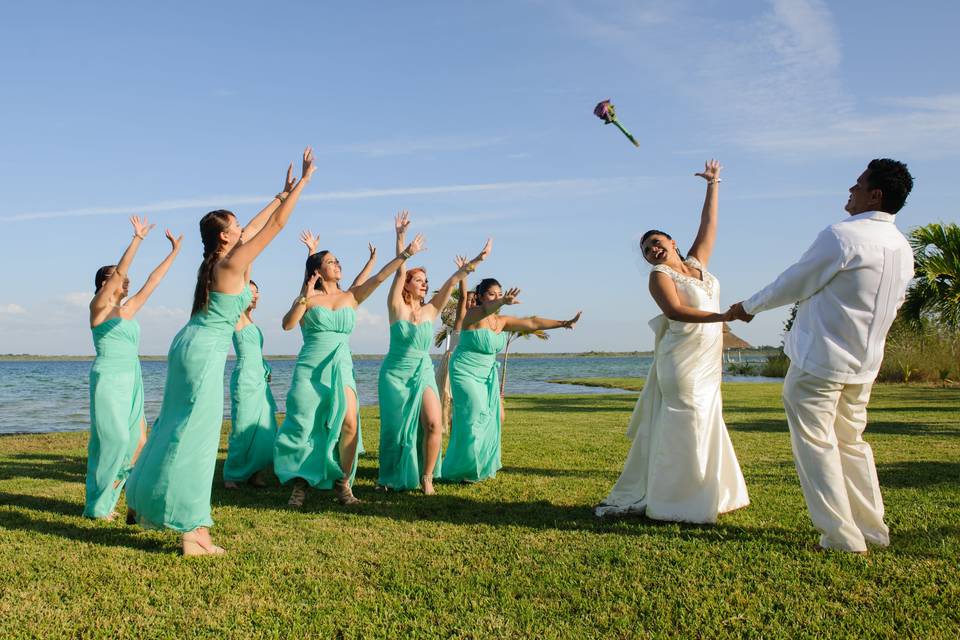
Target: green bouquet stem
x: 626, y: 133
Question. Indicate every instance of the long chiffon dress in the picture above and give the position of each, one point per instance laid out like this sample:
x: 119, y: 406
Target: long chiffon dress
x: 473, y: 453
x: 681, y: 466
x: 171, y: 482
x: 405, y: 375
x: 253, y: 411
x: 307, y: 445
x: 116, y: 413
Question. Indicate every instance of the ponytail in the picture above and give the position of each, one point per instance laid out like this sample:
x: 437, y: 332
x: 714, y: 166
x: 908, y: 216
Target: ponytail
x: 211, y: 225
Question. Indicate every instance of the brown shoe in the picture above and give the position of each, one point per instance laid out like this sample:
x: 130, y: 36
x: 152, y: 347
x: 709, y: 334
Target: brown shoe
x: 343, y: 493
x: 299, y: 493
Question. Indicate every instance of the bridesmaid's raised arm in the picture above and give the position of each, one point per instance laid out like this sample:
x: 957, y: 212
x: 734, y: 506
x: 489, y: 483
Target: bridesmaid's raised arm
x: 244, y: 255
x: 140, y: 297
x: 363, y: 291
x: 256, y: 223
x: 292, y: 317
x: 534, y: 323
x: 488, y: 307
x: 439, y: 299
x: 367, y: 268
x: 707, y: 234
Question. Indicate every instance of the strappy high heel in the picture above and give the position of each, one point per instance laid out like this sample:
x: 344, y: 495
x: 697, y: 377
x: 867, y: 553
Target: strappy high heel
x: 426, y: 482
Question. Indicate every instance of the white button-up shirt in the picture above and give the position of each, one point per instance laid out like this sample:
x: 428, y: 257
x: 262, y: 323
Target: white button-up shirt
x: 850, y: 283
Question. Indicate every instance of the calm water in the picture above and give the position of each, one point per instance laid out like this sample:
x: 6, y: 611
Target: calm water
x: 50, y: 395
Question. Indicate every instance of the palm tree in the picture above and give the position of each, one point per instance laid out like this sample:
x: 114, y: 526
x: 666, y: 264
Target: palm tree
x: 511, y: 336
x: 935, y: 293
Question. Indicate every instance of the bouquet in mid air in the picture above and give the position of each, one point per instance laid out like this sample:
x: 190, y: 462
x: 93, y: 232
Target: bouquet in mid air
x: 606, y: 112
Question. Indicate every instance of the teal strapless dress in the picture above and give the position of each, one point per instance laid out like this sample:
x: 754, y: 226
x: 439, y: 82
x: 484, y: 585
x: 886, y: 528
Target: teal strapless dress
x: 253, y: 411
x: 116, y: 413
x: 307, y: 445
x: 171, y: 482
x: 474, y: 449
x: 406, y: 373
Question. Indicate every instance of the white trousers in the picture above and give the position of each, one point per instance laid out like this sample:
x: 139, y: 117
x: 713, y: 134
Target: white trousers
x: 835, y: 465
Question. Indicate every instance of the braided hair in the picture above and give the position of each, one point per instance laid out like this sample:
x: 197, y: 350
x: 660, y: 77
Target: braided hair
x: 211, y: 226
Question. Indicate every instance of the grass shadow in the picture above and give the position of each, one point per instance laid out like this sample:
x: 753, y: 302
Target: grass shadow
x: 43, y: 466
x: 98, y: 533
x: 918, y: 473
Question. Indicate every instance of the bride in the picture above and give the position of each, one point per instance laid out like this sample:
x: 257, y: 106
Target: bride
x: 681, y: 465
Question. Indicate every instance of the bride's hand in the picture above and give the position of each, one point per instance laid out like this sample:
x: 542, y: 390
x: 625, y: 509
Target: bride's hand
x: 711, y: 170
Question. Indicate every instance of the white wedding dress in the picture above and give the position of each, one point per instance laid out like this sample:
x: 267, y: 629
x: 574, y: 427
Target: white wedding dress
x: 681, y: 466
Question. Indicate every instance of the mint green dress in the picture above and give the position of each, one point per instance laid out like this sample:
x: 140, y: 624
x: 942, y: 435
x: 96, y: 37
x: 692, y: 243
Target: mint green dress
x: 307, y: 445
x: 253, y: 411
x: 474, y: 449
x: 116, y: 413
x: 171, y: 482
x: 406, y: 373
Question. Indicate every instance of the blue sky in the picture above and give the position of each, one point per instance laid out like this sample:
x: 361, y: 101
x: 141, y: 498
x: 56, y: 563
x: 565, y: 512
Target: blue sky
x: 474, y: 116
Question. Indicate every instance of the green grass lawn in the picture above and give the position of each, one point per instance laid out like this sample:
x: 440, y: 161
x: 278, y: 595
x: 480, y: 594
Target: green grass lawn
x: 518, y: 556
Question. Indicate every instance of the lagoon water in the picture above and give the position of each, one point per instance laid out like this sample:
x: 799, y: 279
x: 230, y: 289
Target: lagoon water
x: 53, y: 395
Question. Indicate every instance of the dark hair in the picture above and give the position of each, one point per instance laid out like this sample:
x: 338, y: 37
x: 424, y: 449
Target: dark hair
x: 102, y: 274
x: 894, y: 181
x: 314, y: 262
x: 254, y: 284
x: 485, y: 285
x: 211, y: 226
x: 656, y: 232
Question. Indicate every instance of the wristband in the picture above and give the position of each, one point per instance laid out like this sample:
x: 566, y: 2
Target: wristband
x: 302, y: 300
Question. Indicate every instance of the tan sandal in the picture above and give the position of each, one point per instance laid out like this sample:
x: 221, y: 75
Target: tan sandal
x: 426, y: 483
x: 343, y: 493
x: 299, y: 493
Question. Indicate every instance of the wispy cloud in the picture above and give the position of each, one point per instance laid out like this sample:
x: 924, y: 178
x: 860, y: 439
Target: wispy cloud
x: 549, y: 186
x: 12, y: 308
x: 771, y: 81
x: 407, y: 145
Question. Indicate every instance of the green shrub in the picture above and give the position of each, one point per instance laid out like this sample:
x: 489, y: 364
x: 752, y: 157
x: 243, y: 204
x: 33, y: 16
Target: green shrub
x: 924, y: 352
x: 776, y: 366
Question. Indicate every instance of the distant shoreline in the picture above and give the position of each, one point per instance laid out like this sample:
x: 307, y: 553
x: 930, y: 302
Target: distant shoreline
x: 25, y: 357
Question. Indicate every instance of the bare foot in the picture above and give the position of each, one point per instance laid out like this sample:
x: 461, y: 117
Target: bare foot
x: 256, y: 480
x: 229, y: 484
x: 198, y: 543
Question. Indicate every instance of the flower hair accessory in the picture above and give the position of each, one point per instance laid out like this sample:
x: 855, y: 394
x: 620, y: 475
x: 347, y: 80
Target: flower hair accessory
x: 606, y: 112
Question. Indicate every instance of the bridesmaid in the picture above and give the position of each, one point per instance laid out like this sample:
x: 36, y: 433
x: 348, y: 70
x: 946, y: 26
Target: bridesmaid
x: 410, y: 414
x: 253, y: 411
x: 170, y: 485
x: 317, y: 442
x: 313, y: 241
x: 117, y: 427
x: 473, y: 453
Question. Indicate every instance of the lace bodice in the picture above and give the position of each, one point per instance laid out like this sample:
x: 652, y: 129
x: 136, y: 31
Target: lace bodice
x: 701, y: 294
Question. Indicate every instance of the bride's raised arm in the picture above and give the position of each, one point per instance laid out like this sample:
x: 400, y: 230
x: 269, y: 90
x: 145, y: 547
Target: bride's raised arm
x: 707, y: 234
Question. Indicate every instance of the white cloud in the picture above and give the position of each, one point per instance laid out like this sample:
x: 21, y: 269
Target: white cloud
x: 409, y: 145
x: 550, y: 186
x: 367, y: 319
x: 80, y: 299
x: 772, y: 82
x: 12, y: 309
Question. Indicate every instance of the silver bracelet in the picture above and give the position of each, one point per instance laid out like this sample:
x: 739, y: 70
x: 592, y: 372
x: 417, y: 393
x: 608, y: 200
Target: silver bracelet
x: 714, y: 181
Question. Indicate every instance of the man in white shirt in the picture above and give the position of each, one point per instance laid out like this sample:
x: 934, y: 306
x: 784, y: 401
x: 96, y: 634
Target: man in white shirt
x: 849, y: 283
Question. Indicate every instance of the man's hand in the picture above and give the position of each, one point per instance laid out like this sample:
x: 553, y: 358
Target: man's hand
x: 739, y: 314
